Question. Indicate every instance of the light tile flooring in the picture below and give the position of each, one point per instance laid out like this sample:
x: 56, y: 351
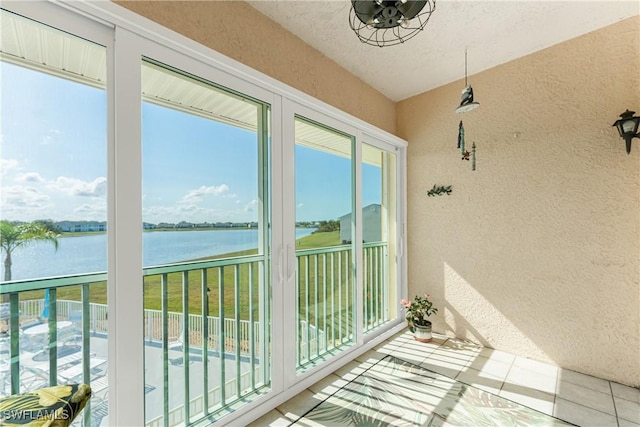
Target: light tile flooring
x: 571, y: 396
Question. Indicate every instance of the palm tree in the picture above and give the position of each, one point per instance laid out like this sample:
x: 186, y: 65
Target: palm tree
x: 14, y: 236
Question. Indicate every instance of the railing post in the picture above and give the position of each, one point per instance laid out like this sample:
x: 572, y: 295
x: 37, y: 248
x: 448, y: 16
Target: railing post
x: 186, y: 342
x: 53, y: 337
x: 86, y: 349
x: 165, y: 348
x: 15, y: 342
x: 205, y: 340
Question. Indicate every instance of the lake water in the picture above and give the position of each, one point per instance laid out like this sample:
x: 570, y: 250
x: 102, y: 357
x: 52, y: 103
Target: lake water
x: 88, y: 254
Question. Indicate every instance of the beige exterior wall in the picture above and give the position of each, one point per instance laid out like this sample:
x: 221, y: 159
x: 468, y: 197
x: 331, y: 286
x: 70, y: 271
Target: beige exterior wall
x: 537, y: 252
x: 240, y: 32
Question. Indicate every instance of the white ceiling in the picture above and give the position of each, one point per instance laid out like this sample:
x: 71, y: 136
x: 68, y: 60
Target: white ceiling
x: 494, y: 32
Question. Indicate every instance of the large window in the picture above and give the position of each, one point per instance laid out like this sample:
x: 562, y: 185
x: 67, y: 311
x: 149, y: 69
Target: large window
x: 53, y: 210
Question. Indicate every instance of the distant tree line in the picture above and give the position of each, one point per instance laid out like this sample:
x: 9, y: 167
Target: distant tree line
x: 328, y: 226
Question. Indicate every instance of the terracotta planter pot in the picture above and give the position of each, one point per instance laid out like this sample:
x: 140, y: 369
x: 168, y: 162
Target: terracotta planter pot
x: 422, y: 333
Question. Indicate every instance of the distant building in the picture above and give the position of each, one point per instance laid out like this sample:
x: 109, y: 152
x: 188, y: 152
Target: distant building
x: 372, y: 225
x: 81, y: 226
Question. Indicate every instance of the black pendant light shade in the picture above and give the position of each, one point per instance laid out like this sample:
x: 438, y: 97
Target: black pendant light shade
x: 387, y: 23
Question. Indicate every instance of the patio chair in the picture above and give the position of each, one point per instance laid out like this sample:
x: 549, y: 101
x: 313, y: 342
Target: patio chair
x: 33, y: 378
x: 100, y: 386
x: 74, y: 372
x: 177, y: 345
x: 99, y: 411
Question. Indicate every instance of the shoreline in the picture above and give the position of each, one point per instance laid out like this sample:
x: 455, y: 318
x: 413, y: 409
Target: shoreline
x: 91, y: 233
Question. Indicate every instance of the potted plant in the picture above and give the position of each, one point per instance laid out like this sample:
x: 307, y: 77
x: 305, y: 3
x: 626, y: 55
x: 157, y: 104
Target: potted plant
x: 417, y: 312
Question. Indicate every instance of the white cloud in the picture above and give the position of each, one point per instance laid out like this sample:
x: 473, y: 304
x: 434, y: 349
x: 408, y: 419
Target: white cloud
x: 196, y: 196
x: 300, y: 205
x: 251, y: 206
x: 77, y: 187
x: 94, y: 212
x: 189, y: 208
x: 7, y: 164
x: 19, y: 197
x: 30, y: 177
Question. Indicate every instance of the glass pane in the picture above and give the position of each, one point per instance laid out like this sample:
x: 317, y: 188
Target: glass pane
x: 324, y: 200
x: 53, y: 210
x: 378, y: 233
x: 206, y: 239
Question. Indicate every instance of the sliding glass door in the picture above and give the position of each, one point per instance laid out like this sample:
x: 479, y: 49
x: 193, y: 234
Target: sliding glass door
x: 325, y: 280
x: 379, y: 235
x: 345, y: 216
x: 206, y: 240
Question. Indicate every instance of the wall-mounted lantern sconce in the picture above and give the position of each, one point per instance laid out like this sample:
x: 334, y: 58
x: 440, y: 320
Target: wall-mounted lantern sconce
x: 627, y: 126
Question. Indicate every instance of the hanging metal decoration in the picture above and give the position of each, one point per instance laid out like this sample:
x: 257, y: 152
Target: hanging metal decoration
x: 466, y: 99
x: 473, y: 156
x: 387, y: 23
x: 466, y: 155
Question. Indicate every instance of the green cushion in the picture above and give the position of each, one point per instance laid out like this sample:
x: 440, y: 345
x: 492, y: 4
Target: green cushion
x: 54, y: 406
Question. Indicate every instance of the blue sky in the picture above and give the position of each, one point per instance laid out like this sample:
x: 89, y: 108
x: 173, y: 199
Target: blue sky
x: 52, y: 147
x: 53, y: 161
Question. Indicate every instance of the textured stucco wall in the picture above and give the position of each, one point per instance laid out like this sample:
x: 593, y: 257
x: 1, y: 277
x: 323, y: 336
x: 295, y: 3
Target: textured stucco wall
x: 239, y: 31
x: 537, y: 252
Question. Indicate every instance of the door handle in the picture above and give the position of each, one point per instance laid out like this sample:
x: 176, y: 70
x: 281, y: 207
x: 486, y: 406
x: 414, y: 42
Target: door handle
x: 291, y: 262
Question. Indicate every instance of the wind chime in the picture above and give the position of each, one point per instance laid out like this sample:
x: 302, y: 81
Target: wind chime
x: 466, y: 104
x: 466, y: 154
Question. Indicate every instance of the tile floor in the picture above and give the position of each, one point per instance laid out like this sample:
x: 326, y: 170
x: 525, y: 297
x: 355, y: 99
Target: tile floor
x: 571, y: 396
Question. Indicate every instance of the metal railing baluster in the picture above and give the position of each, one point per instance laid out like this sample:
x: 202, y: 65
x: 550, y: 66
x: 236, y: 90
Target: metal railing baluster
x: 315, y: 307
x: 236, y: 287
x: 164, y: 290
x: 186, y: 338
x: 86, y: 349
x: 205, y: 340
x: 252, y: 349
x: 221, y: 336
x: 14, y: 351
x: 53, y: 338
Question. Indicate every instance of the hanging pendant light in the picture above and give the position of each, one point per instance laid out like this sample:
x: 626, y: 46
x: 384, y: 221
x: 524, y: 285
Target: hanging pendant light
x: 387, y: 23
x: 466, y: 102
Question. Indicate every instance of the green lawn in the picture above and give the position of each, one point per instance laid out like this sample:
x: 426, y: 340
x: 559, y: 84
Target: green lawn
x: 152, y: 285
